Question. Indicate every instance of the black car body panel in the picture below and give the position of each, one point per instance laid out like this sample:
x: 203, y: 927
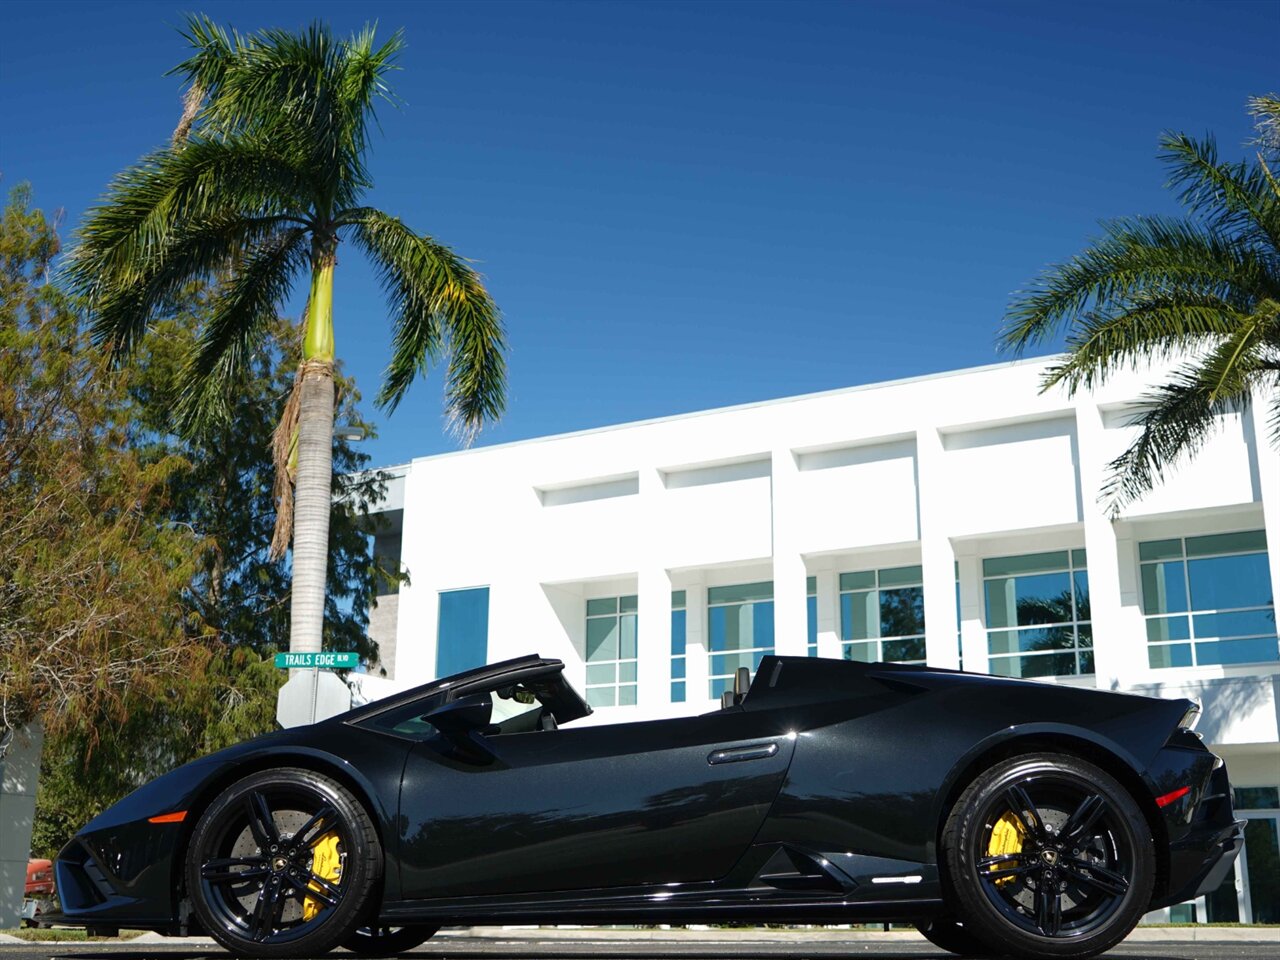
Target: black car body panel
x: 819, y: 797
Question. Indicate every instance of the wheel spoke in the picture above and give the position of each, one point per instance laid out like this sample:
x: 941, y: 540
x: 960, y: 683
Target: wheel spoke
x: 320, y: 819
x: 316, y: 886
x: 1048, y: 909
x: 1098, y: 877
x: 266, y: 912
x: 261, y: 823
x: 1009, y: 872
x: 1084, y: 817
x: 1024, y: 809
x: 302, y: 893
x: 1020, y: 855
x: 223, y: 870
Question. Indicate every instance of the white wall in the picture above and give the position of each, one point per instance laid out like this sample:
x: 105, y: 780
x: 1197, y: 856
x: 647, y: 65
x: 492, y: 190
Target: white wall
x: 938, y: 471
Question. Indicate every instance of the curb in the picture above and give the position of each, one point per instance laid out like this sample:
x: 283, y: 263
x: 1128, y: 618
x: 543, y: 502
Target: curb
x: 153, y: 937
x: 577, y: 934
x: 570, y: 934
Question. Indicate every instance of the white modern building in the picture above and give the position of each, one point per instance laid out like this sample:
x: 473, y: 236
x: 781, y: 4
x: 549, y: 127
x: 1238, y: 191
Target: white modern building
x: 951, y: 519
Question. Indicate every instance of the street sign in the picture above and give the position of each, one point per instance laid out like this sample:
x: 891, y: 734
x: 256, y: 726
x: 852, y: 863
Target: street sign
x: 323, y: 659
x: 311, y: 697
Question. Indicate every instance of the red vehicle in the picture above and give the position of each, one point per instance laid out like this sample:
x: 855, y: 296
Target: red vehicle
x: 39, y: 878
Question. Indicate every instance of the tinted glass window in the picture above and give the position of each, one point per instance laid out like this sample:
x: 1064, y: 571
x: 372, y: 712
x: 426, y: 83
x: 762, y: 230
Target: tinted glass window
x: 462, y: 633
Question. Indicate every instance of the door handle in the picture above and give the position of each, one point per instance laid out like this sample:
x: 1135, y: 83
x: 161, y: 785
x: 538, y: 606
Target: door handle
x: 752, y: 751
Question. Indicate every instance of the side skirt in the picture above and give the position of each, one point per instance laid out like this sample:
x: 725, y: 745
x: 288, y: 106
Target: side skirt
x: 743, y: 905
x: 772, y: 883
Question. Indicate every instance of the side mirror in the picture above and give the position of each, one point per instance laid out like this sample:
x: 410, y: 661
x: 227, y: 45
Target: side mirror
x: 463, y: 721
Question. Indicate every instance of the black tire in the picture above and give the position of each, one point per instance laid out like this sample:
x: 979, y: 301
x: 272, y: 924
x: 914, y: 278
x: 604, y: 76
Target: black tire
x: 387, y: 941
x: 951, y: 936
x: 251, y: 859
x: 1082, y: 875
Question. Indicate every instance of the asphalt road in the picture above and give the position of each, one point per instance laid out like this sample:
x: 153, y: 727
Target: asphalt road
x: 473, y: 949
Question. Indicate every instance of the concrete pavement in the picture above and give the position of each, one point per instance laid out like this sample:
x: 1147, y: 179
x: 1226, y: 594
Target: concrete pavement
x: 1150, y: 943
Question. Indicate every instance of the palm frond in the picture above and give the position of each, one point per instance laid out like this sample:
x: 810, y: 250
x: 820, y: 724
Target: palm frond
x: 1149, y: 327
x: 1137, y: 256
x: 1266, y: 114
x: 239, y: 317
x: 151, y: 202
x: 316, y: 89
x: 1179, y: 418
x: 439, y: 306
x: 1232, y: 368
x: 122, y: 313
x: 1233, y: 197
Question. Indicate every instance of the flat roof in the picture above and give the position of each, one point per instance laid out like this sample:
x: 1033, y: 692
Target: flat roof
x: 749, y: 405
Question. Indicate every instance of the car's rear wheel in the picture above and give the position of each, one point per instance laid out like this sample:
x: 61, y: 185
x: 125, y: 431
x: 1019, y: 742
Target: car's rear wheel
x: 951, y: 936
x: 1048, y: 856
x: 374, y: 941
x: 283, y: 864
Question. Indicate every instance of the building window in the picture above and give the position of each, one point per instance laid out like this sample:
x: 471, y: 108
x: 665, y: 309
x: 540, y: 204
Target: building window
x: 1256, y: 798
x: 739, y: 631
x: 611, y: 651
x: 811, y: 613
x: 882, y: 615
x: 462, y: 631
x: 1208, y: 600
x: 1038, y: 615
x: 679, y: 634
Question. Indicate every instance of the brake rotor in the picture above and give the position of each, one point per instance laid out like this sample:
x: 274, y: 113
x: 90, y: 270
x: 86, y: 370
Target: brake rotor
x: 287, y: 823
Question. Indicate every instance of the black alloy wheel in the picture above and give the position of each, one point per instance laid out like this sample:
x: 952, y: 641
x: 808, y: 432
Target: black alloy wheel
x: 1078, y: 873
x: 381, y: 941
x: 951, y: 936
x: 282, y: 864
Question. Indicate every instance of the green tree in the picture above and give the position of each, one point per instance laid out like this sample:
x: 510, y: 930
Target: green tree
x: 232, y: 605
x: 90, y: 576
x: 1204, y: 289
x: 238, y: 593
x: 264, y: 178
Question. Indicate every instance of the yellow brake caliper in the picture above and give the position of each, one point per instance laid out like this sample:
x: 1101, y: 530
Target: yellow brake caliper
x: 326, y: 864
x: 1006, y: 839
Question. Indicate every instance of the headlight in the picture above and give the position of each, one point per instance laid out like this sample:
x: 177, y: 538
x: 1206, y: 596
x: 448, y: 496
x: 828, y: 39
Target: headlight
x: 1192, y: 716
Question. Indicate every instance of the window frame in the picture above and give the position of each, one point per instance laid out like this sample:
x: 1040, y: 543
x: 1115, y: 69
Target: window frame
x: 846, y: 646
x: 680, y: 683
x: 1189, y: 615
x: 618, y: 684
x: 1077, y: 562
x: 726, y: 680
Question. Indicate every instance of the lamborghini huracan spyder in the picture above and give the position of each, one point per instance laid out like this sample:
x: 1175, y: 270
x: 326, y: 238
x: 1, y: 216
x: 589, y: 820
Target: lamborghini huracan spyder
x: 997, y: 815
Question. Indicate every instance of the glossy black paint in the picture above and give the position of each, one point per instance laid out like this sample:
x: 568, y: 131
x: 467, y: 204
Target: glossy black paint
x: 570, y: 809
x: 820, y: 798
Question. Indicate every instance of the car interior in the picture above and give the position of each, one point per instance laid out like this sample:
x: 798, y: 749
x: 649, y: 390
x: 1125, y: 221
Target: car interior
x: 532, y: 704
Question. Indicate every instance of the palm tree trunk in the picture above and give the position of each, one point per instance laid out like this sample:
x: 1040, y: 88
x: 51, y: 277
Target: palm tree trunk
x: 314, y: 477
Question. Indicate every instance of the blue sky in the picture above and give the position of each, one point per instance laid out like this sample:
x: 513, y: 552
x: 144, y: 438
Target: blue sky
x: 687, y: 205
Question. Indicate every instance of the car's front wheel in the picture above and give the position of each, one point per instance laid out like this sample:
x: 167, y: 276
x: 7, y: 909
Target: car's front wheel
x: 283, y: 864
x: 1048, y: 857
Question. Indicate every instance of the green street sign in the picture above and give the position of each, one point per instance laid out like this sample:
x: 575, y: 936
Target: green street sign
x: 324, y: 660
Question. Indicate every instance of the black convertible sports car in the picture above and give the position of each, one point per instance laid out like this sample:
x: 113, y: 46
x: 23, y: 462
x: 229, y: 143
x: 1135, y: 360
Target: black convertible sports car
x: 1027, y: 818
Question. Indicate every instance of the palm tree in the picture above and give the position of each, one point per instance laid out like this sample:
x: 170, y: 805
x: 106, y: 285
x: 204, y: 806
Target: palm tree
x: 1203, y: 289
x: 263, y: 180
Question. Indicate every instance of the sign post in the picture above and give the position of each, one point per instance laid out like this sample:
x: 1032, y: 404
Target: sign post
x: 312, y: 693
